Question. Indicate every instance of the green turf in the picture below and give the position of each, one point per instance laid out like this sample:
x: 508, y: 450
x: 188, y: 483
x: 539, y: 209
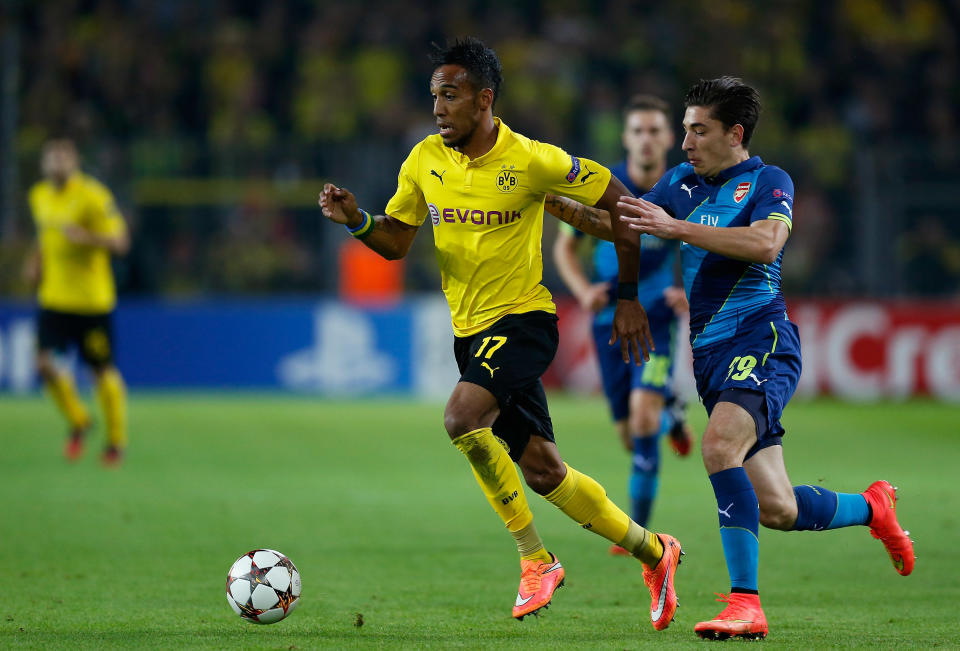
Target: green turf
x: 384, y: 521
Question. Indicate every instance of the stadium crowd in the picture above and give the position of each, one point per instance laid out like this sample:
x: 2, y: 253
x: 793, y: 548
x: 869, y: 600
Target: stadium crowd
x: 858, y: 96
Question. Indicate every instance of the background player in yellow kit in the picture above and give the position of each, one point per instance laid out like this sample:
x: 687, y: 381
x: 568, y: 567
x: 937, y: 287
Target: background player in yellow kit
x: 483, y: 188
x: 78, y: 229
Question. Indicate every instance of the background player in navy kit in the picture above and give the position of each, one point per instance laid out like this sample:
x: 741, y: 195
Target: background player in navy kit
x: 733, y: 214
x: 637, y: 395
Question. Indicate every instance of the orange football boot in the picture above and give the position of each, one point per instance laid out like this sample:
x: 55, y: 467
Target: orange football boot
x: 73, y: 449
x: 538, y: 580
x: 659, y: 581
x: 743, y: 617
x: 882, y: 499
x: 112, y: 456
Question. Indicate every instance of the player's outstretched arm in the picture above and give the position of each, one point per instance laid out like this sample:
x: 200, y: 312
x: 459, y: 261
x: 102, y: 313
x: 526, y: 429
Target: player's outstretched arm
x: 385, y: 235
x: 116, y: 243
x: 760, y: 242
x: 586, y: 219
x: 630, y: 323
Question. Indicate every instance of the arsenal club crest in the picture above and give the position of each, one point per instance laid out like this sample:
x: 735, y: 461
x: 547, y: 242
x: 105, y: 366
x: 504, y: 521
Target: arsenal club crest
x: 742, y: 190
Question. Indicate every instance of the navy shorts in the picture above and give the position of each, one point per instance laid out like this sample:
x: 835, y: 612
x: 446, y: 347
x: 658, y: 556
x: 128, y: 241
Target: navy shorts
x: 508, y: 359
x: 758, y: 369
x: 620, y: 379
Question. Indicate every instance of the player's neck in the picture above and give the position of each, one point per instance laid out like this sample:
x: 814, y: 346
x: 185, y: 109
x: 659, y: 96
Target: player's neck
x: 740, y: 156
x: 482, y: 140
x: 645, y: 177
x: 60, y: 182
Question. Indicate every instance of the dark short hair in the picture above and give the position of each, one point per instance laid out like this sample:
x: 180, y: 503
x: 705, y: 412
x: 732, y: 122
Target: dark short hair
x: 730, y: 101
x: 480, y: 62
x: 644, y: 102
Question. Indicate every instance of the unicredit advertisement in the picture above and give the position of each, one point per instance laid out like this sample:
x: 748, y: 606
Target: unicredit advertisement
x: 858, y: 350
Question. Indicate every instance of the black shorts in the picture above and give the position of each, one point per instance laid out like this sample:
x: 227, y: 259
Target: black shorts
x: 508, y: 359
x: 92, y: 334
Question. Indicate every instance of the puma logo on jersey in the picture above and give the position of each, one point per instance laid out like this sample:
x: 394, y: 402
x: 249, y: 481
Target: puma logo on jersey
x: 487, y: 366
x: 439, y: 176
x: 689, y: 191
x: 587, y: 175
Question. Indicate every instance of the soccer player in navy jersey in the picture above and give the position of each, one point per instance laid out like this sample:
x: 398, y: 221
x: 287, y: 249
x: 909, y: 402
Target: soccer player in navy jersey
x: 733, y: 214
x: 640, y: 398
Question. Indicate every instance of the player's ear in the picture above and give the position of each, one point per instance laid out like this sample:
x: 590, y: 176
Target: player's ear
x: 485, y: 98
x: 736, y: 135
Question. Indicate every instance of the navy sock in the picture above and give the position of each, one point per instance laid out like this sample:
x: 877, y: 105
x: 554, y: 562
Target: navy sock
x: 739, y: 515
x: 816, y: 507
x: 819, y: 509
x: 644, y: 477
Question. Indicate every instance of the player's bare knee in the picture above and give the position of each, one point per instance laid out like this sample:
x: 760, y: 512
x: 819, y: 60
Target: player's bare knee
x: 716, y: 454
x: 455, y: 422
x: 543, y: 478
x: 645, y: 422
x: 46, y: 368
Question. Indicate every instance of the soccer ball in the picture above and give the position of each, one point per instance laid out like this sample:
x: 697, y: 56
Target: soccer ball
x: 263, y: 586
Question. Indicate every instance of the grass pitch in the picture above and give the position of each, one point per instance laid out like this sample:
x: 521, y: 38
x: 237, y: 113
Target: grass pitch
x: 398, y: 548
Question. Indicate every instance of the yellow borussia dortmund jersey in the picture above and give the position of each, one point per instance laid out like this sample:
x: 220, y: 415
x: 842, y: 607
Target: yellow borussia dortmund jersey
x: 487, y: 216
x: 75, y: 278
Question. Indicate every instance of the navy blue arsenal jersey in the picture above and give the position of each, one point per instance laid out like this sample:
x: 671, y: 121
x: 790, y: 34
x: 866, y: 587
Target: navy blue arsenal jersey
x: 725, y: 293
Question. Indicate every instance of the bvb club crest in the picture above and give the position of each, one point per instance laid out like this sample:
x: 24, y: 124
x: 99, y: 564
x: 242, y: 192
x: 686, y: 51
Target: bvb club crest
x: 506, y: 180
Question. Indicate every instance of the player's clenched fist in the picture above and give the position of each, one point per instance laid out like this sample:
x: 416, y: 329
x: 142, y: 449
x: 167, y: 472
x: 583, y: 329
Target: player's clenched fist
x: 339, y: 205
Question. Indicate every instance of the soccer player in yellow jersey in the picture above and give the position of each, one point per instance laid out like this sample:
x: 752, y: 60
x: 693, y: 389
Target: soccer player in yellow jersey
x: 78, y: 229
x: 482, y: 186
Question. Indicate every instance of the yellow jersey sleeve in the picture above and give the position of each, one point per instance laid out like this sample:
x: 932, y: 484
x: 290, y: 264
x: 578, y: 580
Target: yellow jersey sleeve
x: 104, y: 217
x: 408, y: 204
x: 554, y: 171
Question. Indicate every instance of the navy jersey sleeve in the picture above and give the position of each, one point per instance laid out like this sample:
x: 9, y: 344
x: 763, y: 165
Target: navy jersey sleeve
x: 660, y: 193
x: 774, y: 197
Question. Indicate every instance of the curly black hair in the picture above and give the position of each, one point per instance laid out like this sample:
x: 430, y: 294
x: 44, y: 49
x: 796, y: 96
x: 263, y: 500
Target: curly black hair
x: 480, y: 62
x: 730, y: 101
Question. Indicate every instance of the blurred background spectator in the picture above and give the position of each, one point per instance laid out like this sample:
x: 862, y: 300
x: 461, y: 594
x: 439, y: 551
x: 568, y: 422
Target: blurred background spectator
x: 217, y: 121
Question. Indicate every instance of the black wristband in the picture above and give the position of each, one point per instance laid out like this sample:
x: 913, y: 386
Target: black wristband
x: 627, y: 291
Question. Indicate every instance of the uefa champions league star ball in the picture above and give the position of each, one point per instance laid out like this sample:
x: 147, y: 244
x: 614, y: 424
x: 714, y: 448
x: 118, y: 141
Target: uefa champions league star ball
x: 263, y: 586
